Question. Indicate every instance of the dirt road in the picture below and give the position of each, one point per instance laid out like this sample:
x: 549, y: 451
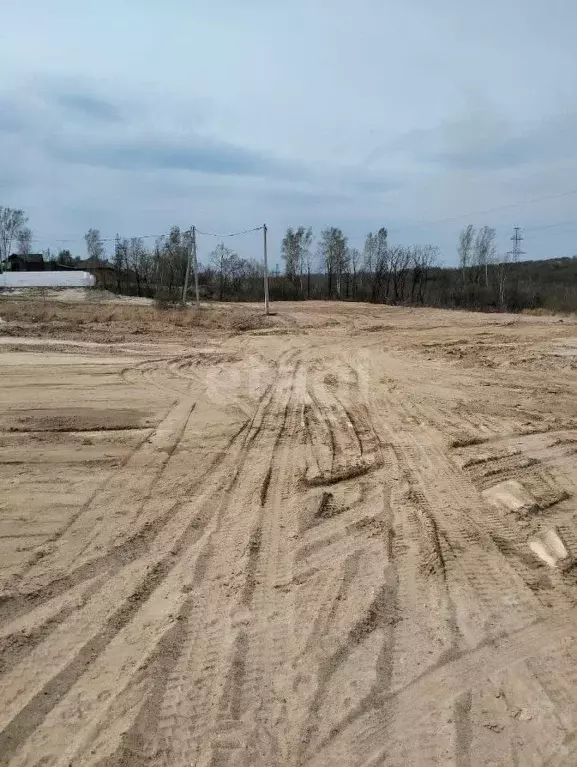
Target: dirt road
x: 344, y: 538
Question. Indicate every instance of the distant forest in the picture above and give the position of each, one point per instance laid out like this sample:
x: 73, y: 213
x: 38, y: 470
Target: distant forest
x: 327, y: 269
x: 381, y: 273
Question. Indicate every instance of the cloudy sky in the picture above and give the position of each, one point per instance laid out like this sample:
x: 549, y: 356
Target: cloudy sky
x: 416, y: 115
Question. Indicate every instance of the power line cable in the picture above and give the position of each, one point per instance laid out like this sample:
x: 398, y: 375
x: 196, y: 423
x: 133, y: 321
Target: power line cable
x: 549, y: 226
x: 147, y: 236
x: 449, y: 219
x: 488, y: 210
x: 102, y: 239
x: 231, y: 234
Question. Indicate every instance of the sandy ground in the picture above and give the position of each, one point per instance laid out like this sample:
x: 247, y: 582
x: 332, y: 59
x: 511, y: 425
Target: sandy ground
x: 343, y: 538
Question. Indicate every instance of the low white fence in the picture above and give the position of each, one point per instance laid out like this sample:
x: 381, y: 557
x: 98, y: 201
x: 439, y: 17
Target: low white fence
x: 67, y: 279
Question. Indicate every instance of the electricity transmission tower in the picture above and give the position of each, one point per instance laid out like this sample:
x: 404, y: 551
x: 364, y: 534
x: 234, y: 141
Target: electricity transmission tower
x: 516, y: 239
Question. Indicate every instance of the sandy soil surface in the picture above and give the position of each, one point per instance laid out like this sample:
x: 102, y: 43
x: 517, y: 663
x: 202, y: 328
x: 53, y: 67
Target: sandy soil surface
x: 341, y: 536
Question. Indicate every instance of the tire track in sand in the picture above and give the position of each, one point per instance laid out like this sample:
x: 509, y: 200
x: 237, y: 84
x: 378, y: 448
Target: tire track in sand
x: 350, y: 597
x: 199, y: 683
x: 467, y: 558
x: 113, y: 509
x: 33, y: 689
x: 363, y: 740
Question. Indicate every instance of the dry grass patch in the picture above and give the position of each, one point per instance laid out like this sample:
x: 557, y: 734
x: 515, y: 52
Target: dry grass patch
x: 50, y: 317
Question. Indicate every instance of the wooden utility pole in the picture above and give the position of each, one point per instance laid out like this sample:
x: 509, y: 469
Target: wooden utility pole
x: 195, y: 265
x: 266, y: 301
x: 187, y: 274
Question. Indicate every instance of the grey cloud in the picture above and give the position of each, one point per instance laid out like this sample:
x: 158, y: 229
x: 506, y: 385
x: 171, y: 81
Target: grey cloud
x: 10, y: 181
x: 199, y: 155
x: 548, y: 140
x: 508, y: 154
x: 9, y: 123
x: 44, y: 113
x: 374, y: 186
x: 485, y: 142
x: 88, y: 105
x: 313, y: 199
x: 36, y: 106
x: 13, y: 117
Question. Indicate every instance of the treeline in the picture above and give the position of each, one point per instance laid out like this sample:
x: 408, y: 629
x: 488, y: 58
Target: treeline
x: 328, y: 268
x: 489, y: 281
x: 159, y: 271
x: 383, y: 272
x: 509, y: 286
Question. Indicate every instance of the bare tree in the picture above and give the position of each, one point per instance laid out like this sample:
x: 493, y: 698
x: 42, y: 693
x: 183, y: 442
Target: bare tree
x: 223, y: 261
x: 368, y: 260
x: 376, y: 257
x: 94, y: 244
x: 369, y: 253
x: 342, y: 263
x: 166, y: 264
x: 139, y: 262
x: 12, y: 221
x: 175, y: 258
x: 120, y: 260
x: 241, y: 272
x: 23, y: 240
x: 308, y: 262
x: 354, y: 261
x: 332, y: 251
x: 290, y: 253
x: 382, y: 271
x: 305, y: 236
x: 157, y: 265
x: 399, y: 259
x: 484, y: 251
x: 500, y: 271
x: 465, y: 249
x: 424, y: 257
x: 295, y: 250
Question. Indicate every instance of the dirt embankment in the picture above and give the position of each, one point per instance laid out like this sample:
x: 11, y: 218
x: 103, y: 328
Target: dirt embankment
x: 118, y: 320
